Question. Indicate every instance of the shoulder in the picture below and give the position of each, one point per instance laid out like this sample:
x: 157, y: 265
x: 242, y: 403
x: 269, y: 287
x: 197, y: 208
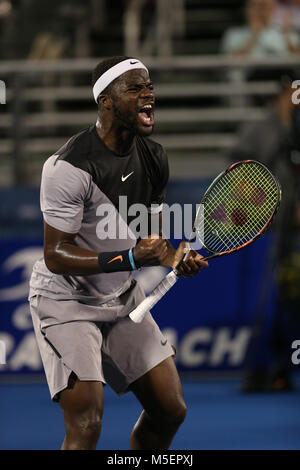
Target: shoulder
x: 77, y: 150
x: 72, y: 158
x: 236, y: 32
x: 234, y: 38
x: 67, y: 169
x: 150, y: 143
x: 152, y: 151
x: 155, y: 160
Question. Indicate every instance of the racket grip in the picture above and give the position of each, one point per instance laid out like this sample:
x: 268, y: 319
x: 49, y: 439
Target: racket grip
x: 140, y: 311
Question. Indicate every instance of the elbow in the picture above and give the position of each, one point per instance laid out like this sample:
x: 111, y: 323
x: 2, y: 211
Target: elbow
x: 52, y: 262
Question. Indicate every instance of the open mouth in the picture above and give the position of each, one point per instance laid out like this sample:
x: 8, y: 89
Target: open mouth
x: 146, y: 115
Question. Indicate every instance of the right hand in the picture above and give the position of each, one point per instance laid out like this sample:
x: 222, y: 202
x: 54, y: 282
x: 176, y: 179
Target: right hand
x: 150, y: 251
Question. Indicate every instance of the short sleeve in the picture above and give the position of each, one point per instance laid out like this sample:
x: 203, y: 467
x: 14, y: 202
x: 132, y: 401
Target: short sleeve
x: 63, y: 191
x: 233, y: 39
x: 160, y: 183
x: 228, y: 43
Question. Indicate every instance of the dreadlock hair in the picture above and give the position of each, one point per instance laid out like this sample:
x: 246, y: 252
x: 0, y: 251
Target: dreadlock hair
x: 105, y: 65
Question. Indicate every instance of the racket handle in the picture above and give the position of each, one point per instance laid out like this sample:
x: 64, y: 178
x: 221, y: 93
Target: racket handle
x: 140, y: 311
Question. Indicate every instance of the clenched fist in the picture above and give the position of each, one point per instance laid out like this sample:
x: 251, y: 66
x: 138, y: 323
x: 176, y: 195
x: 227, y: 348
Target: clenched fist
x: 150, y: 251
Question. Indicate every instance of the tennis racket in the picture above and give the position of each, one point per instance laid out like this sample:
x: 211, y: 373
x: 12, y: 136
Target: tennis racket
x: 235, y: 210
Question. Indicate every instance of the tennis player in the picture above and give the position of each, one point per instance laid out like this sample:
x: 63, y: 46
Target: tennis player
x: 82, y: 290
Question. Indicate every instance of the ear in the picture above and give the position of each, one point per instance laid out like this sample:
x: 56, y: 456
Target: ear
x: 104, y: 101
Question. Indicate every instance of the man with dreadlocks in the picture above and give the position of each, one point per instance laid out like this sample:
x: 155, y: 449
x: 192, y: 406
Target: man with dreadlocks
x: 82, y: 290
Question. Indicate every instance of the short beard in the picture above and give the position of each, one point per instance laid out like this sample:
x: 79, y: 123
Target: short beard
x: 131, y: 127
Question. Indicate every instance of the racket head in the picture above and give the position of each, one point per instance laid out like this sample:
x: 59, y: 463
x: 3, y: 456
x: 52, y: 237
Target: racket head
x: 237, y: 208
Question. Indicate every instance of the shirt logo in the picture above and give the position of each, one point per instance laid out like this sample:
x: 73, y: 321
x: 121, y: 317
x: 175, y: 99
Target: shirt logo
x: 124, y: 178
x: 133, y: 62
x: 120, y: 257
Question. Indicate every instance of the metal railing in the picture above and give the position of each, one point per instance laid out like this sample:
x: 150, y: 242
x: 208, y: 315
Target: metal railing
x: 198, y: 109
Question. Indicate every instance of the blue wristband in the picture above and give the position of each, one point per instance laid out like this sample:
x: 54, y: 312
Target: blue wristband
x: 131, y: 259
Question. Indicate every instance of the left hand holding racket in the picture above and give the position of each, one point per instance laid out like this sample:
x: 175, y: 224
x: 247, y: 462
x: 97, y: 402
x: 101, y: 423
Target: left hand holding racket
x: 238, y: 207
x: 192, y: 264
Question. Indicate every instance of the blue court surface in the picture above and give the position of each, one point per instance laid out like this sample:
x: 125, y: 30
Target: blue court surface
x: 219, y: 417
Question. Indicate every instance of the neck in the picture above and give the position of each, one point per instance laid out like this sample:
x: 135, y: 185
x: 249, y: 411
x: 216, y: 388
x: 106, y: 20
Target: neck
x: 118, y: 140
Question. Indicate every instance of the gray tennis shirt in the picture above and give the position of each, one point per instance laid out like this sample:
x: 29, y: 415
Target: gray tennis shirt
x: 81, y: 180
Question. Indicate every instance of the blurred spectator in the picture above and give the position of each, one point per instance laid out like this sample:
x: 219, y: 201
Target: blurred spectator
x: 46, y: 30
x: 167, y: 20
x: 287, y: 16
x: 275, y: 141
x: 46, y: 46
x: 259, y: 37
x: 7, y: 15
x: 5, y: 8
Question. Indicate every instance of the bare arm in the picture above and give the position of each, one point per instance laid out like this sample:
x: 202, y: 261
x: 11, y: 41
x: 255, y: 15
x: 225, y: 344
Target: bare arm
x: 63, y: 256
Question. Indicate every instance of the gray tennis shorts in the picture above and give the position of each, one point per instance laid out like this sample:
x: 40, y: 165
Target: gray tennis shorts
x: 116, y: 353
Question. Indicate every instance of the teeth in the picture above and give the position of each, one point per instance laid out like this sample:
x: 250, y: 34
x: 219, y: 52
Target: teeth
x: 147, y: 106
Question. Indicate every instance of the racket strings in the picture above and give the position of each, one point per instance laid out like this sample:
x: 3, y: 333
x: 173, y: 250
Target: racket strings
x: 242, y: 223
x: 238, y: 206
x: 239, y: 201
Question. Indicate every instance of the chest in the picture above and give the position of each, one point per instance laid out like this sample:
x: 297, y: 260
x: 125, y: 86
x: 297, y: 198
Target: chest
x: 123, y: 177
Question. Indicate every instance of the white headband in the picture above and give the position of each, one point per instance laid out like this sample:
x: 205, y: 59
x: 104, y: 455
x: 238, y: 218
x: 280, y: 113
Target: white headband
x: 114, y: 72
